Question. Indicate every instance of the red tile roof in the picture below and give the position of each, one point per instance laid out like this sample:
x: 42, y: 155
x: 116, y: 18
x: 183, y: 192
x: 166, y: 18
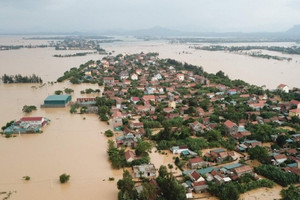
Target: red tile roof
x: 149, y: 98
x: 280, y: 156
x: 117, y: 114
x: 281, y: 86
x: 196, y: 175
x: 295, y: 102
x: 135, y: 98
x: 229, y: 124
x: 199, y: 183
x: 129, y: 154
x: 297, y: 110
x: 24, y: 119
x: 196, y: 159
x: 242, y: 169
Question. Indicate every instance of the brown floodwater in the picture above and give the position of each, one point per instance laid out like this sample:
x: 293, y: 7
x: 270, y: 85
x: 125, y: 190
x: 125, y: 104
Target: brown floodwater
x: 69, y: 144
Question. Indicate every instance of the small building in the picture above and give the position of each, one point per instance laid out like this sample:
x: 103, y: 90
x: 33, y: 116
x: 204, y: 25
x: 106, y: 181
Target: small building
x: 172, y: 104
x: 278, y: 159
x: 54, y: 101
x: 230, y: 127
x: 130, y: 156
x: 295, y: 103
x: 124, y: 75
x: 134, y: 99
x: 117, y: 119
x: 200, y: 186
x: 136, y: 125
x: 196, y: 162
x: 144, y: 170
x: 27, y: 125
x: 196, y: 177
x: 240, y: 171
x: 180, y: 77
x: 295, y: 112
x: 128, y: 140
x: 196, y: 126
x: 148, y: 98
x: 179, y: 149
x: 108, y: 80
x: 283, y: 88
x: 231, y: 91
x: 86, y: 101
x: 134, y: 77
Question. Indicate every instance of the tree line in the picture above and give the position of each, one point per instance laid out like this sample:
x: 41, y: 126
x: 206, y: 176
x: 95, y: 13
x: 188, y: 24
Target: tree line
x: 18, y: 78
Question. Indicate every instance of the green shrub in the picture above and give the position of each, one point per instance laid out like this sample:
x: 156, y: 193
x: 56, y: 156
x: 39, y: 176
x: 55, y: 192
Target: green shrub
x: 26, y: 178
x: 64, y: 178
x: 109, y: 133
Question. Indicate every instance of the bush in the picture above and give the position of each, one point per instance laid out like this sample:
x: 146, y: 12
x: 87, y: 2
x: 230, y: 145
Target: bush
x: 64, y: 178
x: 28, y: 109
x: 68, y: 90
x: 111, y: 178
x: 109, y: 133
x: 58, y: 92
x: 26, y: 178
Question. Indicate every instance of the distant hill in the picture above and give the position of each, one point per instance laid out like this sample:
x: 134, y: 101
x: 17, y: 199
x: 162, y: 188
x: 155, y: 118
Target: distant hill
x: 294, y: 31
x: 292, y: 34
x: 157, y: 31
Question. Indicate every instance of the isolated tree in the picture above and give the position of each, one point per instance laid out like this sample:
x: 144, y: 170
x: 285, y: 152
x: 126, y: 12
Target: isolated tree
x: 64, y: 178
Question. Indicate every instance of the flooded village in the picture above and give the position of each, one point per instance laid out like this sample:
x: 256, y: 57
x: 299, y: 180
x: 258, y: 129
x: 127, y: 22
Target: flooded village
x: 141, y: 126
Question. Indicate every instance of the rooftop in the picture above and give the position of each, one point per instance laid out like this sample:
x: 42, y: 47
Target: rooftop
x: 57, y: 97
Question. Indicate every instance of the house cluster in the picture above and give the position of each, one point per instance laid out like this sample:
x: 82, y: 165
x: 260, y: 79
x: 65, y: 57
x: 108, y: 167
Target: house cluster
x: 27, y: 125
x: 198, y: 179
x: 148, y: 90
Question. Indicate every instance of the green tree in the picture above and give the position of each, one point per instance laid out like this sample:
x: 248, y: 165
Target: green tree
x: 58, y: 92
x: 143, y: 148
x: 28, y: 109
x: 281, y: 140
x: 149, y: 192
x: 169, y: 186
x: 259, y: 153
x: 68, y: 90
x: 109, y: 133
x: 291, y: 193
x: 64, y: 178
x: 116, y: 156
x: 126, y: 187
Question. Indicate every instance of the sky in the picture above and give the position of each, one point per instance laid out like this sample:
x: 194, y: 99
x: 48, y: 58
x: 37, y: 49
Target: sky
x: 184, y: 15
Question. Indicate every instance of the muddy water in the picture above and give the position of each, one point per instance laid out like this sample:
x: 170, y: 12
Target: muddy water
x: 164, y: 159
x: 69, y: 144
x: 262, y: 194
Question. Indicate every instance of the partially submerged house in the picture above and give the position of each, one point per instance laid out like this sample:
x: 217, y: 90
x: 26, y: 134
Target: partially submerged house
x: 27, y: 125
x: 144, y: 170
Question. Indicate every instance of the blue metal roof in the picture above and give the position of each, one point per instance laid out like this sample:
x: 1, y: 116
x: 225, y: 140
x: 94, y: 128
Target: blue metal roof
x: 57, y: 97
x: 232, y: 166
x: 205, y: 170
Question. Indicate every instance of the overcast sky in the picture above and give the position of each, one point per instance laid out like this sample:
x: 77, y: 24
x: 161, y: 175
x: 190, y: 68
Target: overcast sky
x: 191, y: 15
